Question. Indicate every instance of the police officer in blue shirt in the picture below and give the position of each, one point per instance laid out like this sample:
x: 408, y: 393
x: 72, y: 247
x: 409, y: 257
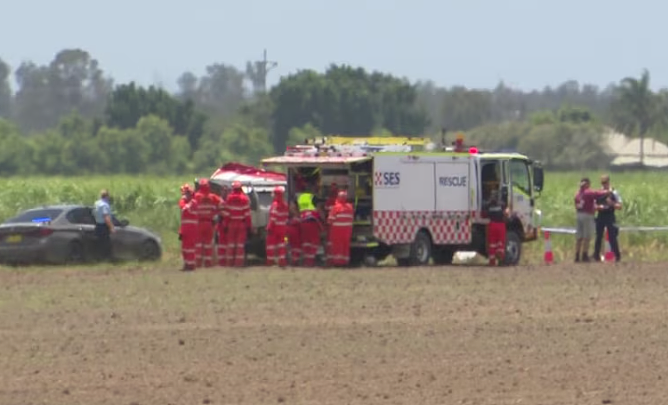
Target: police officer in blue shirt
x: 606, y: 219
x: 104, y: 226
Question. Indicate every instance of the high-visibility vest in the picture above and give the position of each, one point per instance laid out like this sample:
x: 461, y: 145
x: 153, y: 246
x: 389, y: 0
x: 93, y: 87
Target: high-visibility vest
x: 305, y: 202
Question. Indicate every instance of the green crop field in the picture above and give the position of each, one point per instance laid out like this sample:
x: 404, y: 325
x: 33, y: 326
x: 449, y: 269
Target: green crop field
x: 152, y: 202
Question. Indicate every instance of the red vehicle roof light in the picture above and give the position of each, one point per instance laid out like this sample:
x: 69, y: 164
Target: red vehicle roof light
x: 473, y: 150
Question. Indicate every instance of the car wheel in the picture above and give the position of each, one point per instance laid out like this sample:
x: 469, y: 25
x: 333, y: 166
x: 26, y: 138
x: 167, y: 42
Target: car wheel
x: 150, y: 251
x: 75, y: 253
x: 513, y: 249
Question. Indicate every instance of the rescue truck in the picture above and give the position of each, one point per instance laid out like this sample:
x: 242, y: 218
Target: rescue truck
x: 258, y: 184
x: 416, y: 200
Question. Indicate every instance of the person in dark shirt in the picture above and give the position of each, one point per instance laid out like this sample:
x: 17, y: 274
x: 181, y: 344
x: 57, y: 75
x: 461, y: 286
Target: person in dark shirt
x: 606, y: 219
x: 497, y: 212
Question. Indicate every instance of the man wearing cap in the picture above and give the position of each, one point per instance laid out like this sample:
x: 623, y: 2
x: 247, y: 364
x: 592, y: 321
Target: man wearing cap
x: 606, y: 220
x: 585, y: 206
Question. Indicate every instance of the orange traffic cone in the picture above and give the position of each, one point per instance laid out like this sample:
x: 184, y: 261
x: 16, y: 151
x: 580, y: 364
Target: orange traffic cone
x: 609, y: 255
x: 548, y: 256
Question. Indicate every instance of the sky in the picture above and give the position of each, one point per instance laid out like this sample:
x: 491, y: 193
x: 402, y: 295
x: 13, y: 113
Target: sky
x: 529, y: 44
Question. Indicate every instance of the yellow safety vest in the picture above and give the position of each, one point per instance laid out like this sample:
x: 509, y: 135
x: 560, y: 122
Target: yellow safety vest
x: 305, y: 202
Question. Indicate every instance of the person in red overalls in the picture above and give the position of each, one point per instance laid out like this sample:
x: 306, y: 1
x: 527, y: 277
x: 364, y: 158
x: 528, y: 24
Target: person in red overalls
x: 208, y: 205
x: 294, y: 234
x: 277, y: 229
x: 188, y: 228
x: 340, y: 223
x: 220, y: 230
x: 311, y: 225
x: 496, y: 230
x: 329, y: 204
x: 237, y: 224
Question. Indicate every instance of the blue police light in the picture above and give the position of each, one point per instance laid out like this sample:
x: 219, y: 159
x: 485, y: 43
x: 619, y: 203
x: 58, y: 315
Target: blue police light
x: 41, y: 220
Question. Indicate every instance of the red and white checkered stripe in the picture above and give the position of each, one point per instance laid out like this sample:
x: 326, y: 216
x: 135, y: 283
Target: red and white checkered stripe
x: 446, y: 227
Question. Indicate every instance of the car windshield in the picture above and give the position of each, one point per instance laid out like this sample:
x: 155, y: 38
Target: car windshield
x: 38, y: 215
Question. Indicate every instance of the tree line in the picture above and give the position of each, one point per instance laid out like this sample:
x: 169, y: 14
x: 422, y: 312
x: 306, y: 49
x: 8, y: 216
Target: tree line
x: 69, y: 117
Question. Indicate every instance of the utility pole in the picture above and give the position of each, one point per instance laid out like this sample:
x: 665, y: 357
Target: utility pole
x: 262, y: 69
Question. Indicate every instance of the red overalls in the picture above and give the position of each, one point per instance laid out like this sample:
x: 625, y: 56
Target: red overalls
x: 208, y: 206
x: 222, y: 237
x: 277, y: 227
x: 188, y: 231
x: 310, y: 228
x: 294, y: 240
x: 496, y: 235
x: 340, y: 223
x: 237, y: 223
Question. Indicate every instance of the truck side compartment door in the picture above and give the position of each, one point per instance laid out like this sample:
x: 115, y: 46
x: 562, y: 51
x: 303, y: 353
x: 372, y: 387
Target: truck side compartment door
x: 453, y: 203
x: 404, y: 198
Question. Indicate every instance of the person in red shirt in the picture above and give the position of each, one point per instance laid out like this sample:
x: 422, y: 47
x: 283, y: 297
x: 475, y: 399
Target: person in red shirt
x: 237, y: 224
x: 585, y: 207
x: 340, y: 224
x: 277, y: 229
x: 188, y: 229
x: 208, y: 206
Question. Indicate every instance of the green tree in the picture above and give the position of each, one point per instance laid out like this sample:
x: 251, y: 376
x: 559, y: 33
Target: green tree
x: 48, y: 148
x: 73, y: 81
x: 463, y: 109
x: 129, y: 103
x: 5, y: 91
x: 634, y: 110
x: 16, y: 152
x: 345, y: 101
x: 158, y: 135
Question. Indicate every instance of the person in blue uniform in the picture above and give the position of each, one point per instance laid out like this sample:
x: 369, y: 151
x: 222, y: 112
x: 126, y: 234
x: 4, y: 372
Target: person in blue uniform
x: 104, y: 226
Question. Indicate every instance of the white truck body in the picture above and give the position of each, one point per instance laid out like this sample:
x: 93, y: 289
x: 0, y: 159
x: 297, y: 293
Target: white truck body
x: 434, y: 198
x: 411, y: 193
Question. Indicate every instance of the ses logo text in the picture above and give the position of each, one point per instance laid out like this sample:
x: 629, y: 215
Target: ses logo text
x: 387, y: 179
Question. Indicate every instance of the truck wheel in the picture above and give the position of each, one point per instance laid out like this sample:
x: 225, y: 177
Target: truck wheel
x: 443, y: 256
x: 421, y: 249
x: 513, y: 249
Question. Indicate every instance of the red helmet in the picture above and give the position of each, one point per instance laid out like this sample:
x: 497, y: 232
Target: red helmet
x: 278, y: 190
x: 236, y: 185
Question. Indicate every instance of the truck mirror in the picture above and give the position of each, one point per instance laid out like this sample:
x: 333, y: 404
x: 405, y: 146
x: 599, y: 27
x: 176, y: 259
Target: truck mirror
x: 538, y: 178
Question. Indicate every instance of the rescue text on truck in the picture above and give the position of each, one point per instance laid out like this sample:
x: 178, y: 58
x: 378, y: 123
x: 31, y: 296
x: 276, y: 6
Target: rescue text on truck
x: 418, y: 201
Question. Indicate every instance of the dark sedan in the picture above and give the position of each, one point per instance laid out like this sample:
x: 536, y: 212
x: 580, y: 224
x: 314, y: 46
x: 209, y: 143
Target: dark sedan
x: 62, y: 234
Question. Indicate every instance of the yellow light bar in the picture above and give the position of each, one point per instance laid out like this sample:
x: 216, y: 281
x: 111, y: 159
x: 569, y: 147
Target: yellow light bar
x: 371, y: 140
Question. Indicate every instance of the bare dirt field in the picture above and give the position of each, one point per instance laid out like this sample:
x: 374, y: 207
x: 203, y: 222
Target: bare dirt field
x: 565, y: 334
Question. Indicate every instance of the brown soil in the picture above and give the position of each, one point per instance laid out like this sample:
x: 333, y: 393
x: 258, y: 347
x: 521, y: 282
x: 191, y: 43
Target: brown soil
x: 565, y: 334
